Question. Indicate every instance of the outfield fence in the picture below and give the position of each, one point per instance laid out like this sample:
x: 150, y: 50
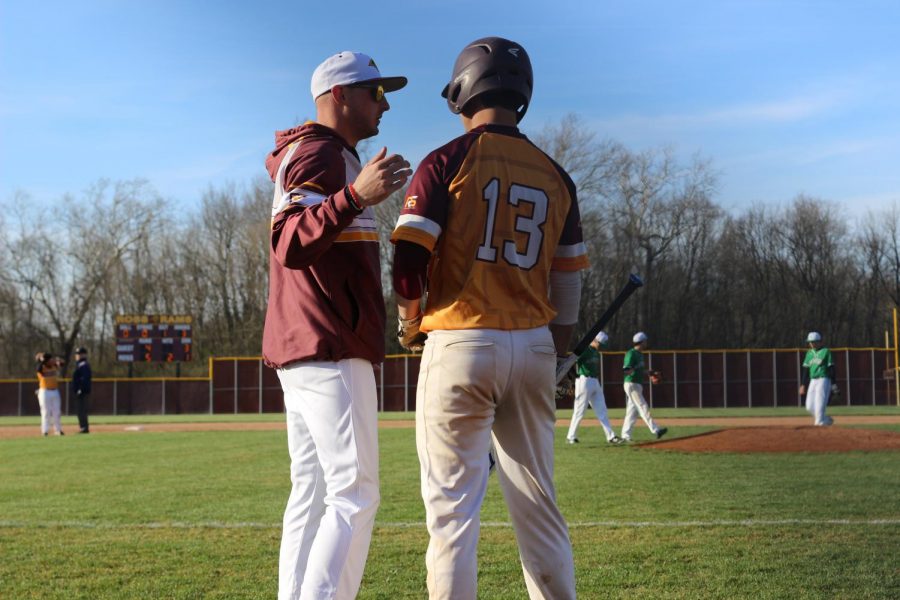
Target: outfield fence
x: 691, y: 379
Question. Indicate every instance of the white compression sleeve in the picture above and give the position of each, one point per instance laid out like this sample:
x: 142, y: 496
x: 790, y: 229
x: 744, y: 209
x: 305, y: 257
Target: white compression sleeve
x: 565, y: 296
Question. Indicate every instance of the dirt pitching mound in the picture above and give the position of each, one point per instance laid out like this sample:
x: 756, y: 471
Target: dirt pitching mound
x: 783, y: 439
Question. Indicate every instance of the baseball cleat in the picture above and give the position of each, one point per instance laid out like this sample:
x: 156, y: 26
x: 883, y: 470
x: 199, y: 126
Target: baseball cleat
x: 572, y: 441
x: 661, y: 432
x: 615, y: 440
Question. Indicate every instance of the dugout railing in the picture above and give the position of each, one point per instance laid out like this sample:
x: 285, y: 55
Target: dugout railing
x: 691, y: 379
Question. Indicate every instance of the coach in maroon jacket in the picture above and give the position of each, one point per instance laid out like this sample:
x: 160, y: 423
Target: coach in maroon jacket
x: 325, y: 323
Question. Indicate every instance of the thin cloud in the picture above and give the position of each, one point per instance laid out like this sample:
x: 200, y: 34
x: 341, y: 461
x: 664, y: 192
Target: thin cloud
x: 793, y: 109
x: 809, y: 153
x: 875, y: 203
x: 788, y: 110
x: 210, y: 169
x: 840, y: 148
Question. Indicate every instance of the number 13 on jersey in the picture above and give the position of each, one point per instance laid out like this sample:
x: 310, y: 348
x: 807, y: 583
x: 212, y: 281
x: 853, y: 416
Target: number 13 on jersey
x: 529, y: 225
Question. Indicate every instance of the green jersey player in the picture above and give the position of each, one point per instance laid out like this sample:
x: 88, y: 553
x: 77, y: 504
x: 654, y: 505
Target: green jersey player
x: 635, y: 404
x: 589, y: 391
x: 818, y: 378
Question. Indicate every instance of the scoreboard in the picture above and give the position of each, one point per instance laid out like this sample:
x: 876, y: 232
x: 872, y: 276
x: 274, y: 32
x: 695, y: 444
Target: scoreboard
x: 154, y: 338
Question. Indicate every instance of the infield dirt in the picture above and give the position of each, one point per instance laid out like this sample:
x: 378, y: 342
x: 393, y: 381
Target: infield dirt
x: 783, y: 439
x: 737, y: 434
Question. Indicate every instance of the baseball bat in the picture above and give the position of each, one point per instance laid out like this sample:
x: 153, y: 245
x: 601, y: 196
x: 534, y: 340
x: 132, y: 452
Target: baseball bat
x: 634, y: 282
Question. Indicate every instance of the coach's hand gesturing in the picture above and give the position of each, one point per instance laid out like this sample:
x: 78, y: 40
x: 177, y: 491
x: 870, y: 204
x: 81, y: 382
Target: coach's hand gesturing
x: 380, y: 177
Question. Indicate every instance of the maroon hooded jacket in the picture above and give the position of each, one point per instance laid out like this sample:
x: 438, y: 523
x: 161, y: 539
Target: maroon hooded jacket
x: 325, y: 299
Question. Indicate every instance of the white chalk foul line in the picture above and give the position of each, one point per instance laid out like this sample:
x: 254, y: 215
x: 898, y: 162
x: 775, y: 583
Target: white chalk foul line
x: 486, y: 524
x: 712, y: 523
x: 738, y: 523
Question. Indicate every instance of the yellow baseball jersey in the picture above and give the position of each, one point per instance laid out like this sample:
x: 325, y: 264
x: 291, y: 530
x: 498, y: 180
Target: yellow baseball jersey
x: 47, y: 378
x: 498, y: 215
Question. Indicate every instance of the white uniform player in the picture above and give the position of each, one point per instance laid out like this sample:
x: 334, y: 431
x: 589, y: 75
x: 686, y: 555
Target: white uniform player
x: 589, y: 391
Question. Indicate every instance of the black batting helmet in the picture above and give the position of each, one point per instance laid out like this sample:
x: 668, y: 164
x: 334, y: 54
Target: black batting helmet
x: 486, y: 65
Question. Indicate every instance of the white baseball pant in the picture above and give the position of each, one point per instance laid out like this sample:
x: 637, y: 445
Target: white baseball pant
x: 50, y: 403
x: 636, y: 405
x: 817, y: 393
x: 588, y: 390
x: 475, y: 386
x: 332, y: 430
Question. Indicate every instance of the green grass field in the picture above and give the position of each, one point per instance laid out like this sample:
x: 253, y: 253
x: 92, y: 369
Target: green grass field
x: 197, y: 515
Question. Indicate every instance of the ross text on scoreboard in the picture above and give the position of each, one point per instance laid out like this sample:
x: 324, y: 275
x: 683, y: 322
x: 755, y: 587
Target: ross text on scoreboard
x: 154, y: 338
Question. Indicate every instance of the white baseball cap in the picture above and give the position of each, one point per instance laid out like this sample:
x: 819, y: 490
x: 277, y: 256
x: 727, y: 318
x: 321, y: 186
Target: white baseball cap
x: 639, y: 337
x: 814, y: 336
x: 602, y: 337
x: 345, y: 68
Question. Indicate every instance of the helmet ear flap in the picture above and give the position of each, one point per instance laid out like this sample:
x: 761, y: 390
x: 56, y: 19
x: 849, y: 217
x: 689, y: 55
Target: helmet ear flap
x: 451, y: 93
x: 454, y: 95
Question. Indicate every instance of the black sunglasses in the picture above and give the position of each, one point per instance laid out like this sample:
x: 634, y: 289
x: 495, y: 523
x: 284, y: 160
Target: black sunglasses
x: 377, y: 91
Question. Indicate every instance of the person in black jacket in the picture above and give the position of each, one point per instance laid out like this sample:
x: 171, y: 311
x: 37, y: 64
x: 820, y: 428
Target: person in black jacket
x: 81, y: 387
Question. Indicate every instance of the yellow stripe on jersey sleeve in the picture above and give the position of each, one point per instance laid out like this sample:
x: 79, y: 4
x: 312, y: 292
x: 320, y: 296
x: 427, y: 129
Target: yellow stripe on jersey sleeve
x: 311, y: 185
x: 357, y: 236
x: 570, y: 264
x: 570, y: 257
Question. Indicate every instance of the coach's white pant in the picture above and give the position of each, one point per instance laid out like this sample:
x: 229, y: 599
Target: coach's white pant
x: 817, y: 394
x: 588, y: 390
x: 636, y: 405
x: 476, y: 386
x: 50, y: 403
x: 332, y: 428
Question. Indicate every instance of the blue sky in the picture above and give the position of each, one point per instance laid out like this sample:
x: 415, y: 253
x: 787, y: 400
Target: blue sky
x: 783, y: 97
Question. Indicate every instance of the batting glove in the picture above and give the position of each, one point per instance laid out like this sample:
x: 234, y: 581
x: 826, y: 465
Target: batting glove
x: 565, y: 387
x: 408, y: 334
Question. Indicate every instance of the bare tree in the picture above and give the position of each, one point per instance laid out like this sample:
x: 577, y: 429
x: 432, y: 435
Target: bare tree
x: 590, y: 161
x: 880, y: 238
x: 790, y: 271
x: 653, y: 202
x: 816, y: 247
x: 59, y: 262
x: 756, y: 278
x: 690, y: 279
x: 222, y: 262
x: 637, y: 210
